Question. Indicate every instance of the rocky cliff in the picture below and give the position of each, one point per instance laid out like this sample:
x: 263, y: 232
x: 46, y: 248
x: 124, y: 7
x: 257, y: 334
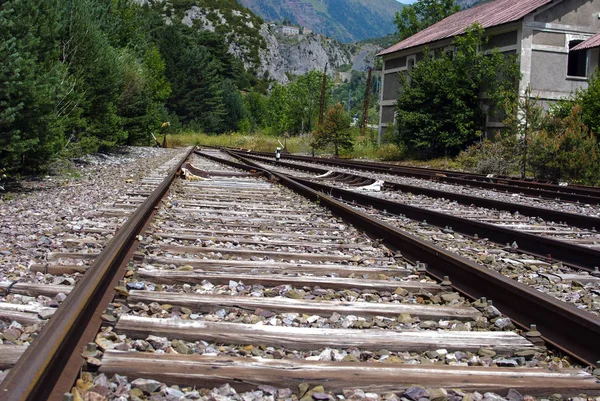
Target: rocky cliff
x: 269, y: 54
x: 344, y: 20
x: 283, y: 55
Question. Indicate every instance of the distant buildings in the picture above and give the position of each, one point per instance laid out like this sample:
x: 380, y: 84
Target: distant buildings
x: 290, y: 30
x: 551, y: 38
x: 287, y: 30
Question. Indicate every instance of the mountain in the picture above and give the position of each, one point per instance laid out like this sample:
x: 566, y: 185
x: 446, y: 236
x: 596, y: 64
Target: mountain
x: 343, y: 20
x: 468, y: 3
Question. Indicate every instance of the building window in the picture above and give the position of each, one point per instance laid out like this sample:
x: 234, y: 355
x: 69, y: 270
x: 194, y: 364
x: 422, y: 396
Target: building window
x: 577, y: 64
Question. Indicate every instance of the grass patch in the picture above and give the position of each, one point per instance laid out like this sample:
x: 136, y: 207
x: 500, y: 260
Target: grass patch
x: 258, y: 142
x: 364, y: 147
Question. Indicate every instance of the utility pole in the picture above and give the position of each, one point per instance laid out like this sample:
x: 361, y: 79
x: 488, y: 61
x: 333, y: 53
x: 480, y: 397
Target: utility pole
x: 323, y: 89
x: 365, y: 116
x: 322, y: 104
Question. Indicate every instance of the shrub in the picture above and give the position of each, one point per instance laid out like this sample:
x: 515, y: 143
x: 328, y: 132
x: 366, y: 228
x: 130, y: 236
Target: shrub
x: 566, y: 150
x: 499, y: 156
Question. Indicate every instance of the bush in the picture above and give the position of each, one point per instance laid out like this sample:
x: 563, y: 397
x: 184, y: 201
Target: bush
x: 498, y: 156
x: 566, y: 150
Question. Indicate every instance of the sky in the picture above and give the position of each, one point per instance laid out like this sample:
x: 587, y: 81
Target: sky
x: 406, y: 1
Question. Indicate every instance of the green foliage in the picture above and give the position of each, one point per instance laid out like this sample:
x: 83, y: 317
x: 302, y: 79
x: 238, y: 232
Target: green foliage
x: 588, y: 100
x: 440, y: 106
x: 524, y: 119
x: 499, y: 156
x: 335, y: 131
x: 304, y: 96
x: 277, y: 110
x: 566, y: 150
x: 255, y: 105
x: 30, y: 88
x: 81, y: 76
x: 234, y: 104
x: 353, y: 91
x: 418, y: 16
x: 556, y: 148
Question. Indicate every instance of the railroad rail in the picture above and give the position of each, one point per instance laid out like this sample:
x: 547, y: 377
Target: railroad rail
x: 549, y: 248
x: 223, y: 232
x: 572, y: 193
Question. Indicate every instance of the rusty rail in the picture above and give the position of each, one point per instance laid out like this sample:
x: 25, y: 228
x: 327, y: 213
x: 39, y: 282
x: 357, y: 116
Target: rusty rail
x: 547, y: 191
x: 50, y: 366
x: 550, y: 249
x: 562, y: 325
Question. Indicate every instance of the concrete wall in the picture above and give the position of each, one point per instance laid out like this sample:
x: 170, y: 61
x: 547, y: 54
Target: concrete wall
x: 395, y: 63
x: 548, y: 74
x: 580, y: 13
x: 503, y: 39
x: 594, y: 57
x: 549, y: 38
x: 550, y: 31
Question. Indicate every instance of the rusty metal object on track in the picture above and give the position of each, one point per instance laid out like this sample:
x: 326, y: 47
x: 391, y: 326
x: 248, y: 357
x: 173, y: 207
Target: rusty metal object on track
x: 52, y: 363
x: 567, y: 328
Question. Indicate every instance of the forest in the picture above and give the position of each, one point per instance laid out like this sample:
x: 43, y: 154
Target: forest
x: 83, y: 76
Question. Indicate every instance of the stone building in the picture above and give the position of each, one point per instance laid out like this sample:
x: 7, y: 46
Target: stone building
x: 287, y: 30
x: 548, y: 36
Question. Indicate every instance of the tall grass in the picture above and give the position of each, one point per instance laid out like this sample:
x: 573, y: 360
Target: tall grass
x: 364, y: 147
x: 257, y: 142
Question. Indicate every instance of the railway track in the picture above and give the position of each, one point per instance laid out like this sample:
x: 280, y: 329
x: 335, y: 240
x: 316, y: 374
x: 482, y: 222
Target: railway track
x: 572, y: 193
x: 230, y: 279
x: 544, y: 232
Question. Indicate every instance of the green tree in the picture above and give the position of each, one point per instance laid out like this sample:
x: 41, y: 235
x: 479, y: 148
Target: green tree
x: 277, y: 110
x: 255, y: 106
x: 335, y: 130
x: 441, y: 109
x: 234, y: 104
x: 304, y: 96
x: 193, y: 72
x: 524, y: 118
x: 418, y: 16
x: 31, y: 125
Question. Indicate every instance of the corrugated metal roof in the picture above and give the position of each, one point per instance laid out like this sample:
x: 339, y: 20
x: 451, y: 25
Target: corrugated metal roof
x: 592, y: 42
x: 490, y: 14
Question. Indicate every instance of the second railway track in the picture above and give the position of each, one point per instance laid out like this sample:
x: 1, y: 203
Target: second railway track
x: 237, y: 282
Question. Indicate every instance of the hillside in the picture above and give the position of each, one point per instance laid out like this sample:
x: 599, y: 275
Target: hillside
x: 343, y: 20
x: 469, y: 3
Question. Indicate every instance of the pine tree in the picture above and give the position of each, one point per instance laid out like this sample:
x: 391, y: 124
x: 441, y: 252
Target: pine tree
x: 30, y: 122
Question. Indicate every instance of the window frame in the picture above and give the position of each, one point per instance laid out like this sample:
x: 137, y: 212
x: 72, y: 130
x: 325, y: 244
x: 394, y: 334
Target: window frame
x: 582, y: 57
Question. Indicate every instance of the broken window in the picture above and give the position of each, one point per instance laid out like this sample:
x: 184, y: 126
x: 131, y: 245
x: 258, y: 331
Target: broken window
x: 577, y: 64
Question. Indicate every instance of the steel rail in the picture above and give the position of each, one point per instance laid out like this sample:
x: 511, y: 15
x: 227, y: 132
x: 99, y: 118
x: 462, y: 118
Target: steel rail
x: 50, y: 366
x: 562, y: 325
x: 528, y: 183
x: 571, y: 194
x: 575, y: 220
x: 546, y: 248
